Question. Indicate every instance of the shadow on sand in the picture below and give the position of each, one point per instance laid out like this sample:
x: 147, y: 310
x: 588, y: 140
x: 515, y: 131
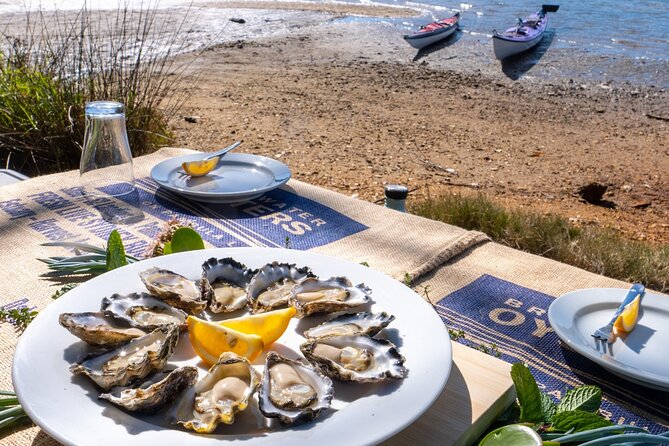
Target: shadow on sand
x: 448, y: 41
x: 515, y: 67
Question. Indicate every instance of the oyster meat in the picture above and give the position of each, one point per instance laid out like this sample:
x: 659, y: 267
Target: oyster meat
x: 228, y: 280
x: 142, y: 310
x: 271, y: 286
x: 157, y: 391
x: 351, y: 324
x: 97, y: 329
x: 223, y: 392
x: 314, y: 295
x: 293, y: 390
x: 355, y: 358
x: 134, y: 360
x: 175, y: 289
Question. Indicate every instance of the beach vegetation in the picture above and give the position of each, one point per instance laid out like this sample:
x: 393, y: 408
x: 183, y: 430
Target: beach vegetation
x: 52, y: 63
x: 599, y: 250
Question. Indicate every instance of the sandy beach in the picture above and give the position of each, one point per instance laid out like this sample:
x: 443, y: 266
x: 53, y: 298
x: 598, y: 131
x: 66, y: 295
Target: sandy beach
x: 349, y: 106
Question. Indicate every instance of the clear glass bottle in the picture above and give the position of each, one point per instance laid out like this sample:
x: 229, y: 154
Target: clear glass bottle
x: 396, y: 197
x: 106, y: 160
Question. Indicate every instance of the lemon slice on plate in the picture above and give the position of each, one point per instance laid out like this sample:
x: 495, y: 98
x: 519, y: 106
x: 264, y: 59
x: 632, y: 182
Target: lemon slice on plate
x: 628, y: 318
x: 200, y: 168
x: 210, y: 339
x: 269, y: 326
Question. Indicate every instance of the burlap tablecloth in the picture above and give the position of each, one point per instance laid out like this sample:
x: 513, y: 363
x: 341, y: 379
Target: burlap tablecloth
x: 495, y: 294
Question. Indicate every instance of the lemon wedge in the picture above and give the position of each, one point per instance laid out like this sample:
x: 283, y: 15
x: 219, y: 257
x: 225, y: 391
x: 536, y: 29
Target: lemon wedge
x: 628, y: 318
x: 200, y: 168
x: 210, y: 339
x: 269, y: 326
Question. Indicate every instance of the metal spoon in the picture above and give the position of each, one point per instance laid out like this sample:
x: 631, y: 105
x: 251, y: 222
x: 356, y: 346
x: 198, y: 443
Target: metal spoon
x: 200, y: 167
x: 222, y: 152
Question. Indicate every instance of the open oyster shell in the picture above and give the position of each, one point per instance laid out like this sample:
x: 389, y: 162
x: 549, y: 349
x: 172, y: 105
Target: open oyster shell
x: 157, y: 391
x: 351, y: 324
x: 355, y: 358
x: 223, y: 392
x: 142, y: 310
x: 270, y: 287
x: 175, y: 289
x: 293, y: 390
x: 314, y: 295
x: 97, y: 329
x: 228, y: 280
x: 134, y: 360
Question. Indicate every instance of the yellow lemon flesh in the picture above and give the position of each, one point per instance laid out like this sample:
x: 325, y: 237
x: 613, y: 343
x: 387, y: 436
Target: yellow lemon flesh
x: 210, y: 339
x: 629, y: 317
x: 269, y: 326
x: 200, y: 168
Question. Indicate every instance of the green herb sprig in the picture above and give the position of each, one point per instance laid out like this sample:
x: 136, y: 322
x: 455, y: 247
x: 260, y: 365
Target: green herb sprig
x: 19, y: 317
x: 11, y: 412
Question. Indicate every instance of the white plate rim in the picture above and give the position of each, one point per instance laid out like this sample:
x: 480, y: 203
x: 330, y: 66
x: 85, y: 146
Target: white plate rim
x: 442, y: 355
x: 278, y: 169
x: 574, y: 300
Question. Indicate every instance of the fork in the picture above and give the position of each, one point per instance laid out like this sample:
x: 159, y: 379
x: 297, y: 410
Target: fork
x: 605, y: 333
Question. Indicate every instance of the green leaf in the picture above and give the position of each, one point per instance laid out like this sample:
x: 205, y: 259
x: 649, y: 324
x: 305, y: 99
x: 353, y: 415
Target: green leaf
x: 167, y: 248
x: 579, y: 421
x: 548, y: 407
x: 186, y: 239
x: 585, y: 398
x: 529, y: 396
x: 513, y: 434
x: 115, y: 252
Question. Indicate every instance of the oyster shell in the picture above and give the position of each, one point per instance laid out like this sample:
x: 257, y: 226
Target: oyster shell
x: 158, y: 390
x: 355, y: 358
x: 134, y: 360
x: 228, y: 280
x: 270, y: 287
x: 293, y: 390
x: 351, y: 324
x: 224, y: 391
x: 314, y: 295
x: 142, y: 310
x: 97, y: 329
x: 175, y: 289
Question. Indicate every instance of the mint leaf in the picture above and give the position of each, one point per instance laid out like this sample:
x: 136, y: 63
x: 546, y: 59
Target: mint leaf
x: 579, y: 421
x: 548, y: 407
x: 529, y: 396
x: 115, y: 252
x: 585, y: 398
x: 167, y: 248
x: 186, y: 239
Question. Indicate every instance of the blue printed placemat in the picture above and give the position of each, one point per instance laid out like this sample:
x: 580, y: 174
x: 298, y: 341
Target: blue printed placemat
x: 514, y: 318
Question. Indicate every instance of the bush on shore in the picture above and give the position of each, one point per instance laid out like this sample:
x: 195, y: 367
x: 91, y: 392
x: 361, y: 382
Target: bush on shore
x: 597, y: 250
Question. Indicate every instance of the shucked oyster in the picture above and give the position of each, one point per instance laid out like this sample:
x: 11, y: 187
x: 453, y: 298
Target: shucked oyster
x: 313, y: 295
x: 97, y: 329
x: 293, y: 390
x: 134, y: 360
x: 158, y: 390
x: 351, y: 324
x: 175, y: 289
x: 142, y: 310
x: 224, y: 391
x: 355, y: 358
x: 228, y: 280
x: 270, y: 287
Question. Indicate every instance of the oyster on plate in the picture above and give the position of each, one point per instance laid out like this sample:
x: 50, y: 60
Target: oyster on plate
x: 97, y: 329
x: 228, y: 280
x: 271, y: 286
x: 134, y: 360
x: 351, y: 324
x: 142, y: 310
x: 156, y: 391
x: 355, y: 358
x: 175, y: 289
x: 314, y: 295
x: 293, y: 390
x: 223, y: 392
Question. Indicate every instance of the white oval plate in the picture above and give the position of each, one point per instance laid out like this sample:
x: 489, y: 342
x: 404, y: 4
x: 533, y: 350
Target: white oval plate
x: 639, y: 357
x: 66, y: 406
x: 238, y: 177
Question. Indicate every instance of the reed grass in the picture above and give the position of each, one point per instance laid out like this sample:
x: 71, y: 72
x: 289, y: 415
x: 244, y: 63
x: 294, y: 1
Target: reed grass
x: 53, y: 63
x: 598, y: 250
